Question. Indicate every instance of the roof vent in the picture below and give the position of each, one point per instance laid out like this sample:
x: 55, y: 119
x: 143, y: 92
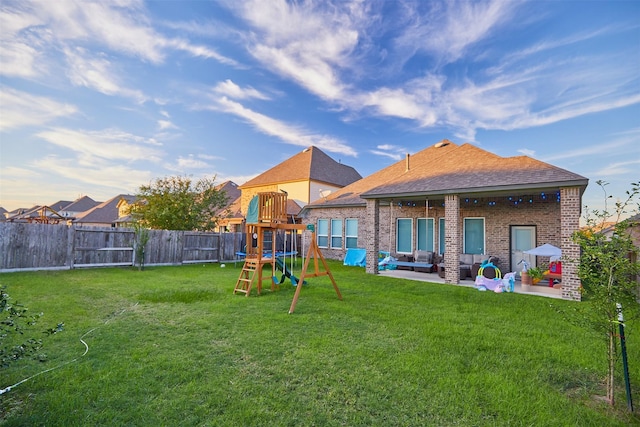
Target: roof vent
x: 407, y: 166
x: 305, y: 150
x: 441, y: 144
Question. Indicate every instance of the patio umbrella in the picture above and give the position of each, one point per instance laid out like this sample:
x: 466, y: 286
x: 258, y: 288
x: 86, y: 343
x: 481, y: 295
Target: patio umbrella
x: 545, y: 250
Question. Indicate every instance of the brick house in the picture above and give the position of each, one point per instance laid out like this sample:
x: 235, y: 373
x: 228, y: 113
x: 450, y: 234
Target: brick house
x: 455, y: 199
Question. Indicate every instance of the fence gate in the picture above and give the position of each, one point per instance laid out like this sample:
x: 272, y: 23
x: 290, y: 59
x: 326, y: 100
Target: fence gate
x: 200, y: 247
x: 110, y: 247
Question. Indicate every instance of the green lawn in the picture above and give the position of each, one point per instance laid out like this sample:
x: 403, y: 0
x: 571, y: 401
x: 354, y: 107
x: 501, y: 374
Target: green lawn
x: 174, y: 346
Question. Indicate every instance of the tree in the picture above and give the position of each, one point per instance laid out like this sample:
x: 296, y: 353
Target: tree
x: 177, y: 203
x: 608, y: 271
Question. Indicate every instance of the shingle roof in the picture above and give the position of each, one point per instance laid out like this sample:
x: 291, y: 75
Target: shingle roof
x: 105, y: 212
x: 60, y: 205
x: 446, y: 168
x: 82, y: 204
x: 233, y: 193
x: 231, y: 190
x: 309, y: 164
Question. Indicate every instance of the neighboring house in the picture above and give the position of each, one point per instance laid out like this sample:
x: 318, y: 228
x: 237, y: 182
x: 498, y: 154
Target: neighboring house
x: 451, y: 200
x: 305, y: 177
x: 3, y: 214
x: 230, y: 217
x: 112, y: 213
x: 37, y: 214
x: 634, y: 231
x: 78, y: 206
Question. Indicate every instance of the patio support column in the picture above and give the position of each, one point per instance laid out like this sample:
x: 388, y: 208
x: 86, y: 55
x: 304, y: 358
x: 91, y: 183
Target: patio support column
x: 372, y: 233
x: 452, y: 244
x: 570, y: 208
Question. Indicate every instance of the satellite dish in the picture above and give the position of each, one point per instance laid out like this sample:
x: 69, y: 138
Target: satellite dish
x: 324, y: 193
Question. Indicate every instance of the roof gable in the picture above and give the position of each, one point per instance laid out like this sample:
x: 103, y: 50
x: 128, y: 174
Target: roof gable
x: 309, y: 164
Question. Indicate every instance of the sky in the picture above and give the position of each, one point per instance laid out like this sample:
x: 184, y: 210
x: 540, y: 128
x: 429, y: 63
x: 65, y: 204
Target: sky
x: 99, y: 98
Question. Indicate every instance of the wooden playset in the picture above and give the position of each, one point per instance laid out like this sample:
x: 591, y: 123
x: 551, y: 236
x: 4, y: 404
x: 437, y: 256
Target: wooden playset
x: 261, y: 247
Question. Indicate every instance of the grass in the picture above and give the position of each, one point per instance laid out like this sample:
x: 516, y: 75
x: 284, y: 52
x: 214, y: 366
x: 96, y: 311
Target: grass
x: 173, y: 346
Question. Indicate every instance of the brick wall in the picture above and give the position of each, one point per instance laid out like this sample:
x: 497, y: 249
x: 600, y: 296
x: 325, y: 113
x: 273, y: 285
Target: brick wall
x: 453, y: 240
x: 372, y: 243
x: 570, y: 218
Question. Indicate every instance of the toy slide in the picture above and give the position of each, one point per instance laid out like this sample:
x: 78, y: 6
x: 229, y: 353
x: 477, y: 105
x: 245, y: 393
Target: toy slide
x: 286, y: 273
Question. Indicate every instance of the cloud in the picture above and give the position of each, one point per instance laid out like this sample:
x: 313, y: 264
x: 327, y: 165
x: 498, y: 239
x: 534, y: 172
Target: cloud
x: 20, y: 109
x: 109, y: 144
x: 619, y: 168
x: 447, y: 30
x: 393, y: 156
x: 314, y: 41
x: 32, y: 33
x: 330, y: 48
x: 166, y: 124
x: 191, y: 162
x: 97, y: 73
x: 199, y: 51
x: 287, y: 133
x: 117, y: 176
x: 232, y: 90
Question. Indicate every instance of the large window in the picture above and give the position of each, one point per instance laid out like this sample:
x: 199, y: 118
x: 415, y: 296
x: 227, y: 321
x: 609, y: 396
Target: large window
x: 323, y: 233
x: 351, y: 233
x: 474, y: 235
x: 425, y: 234
x: 441, y: 233
x: 336, y: 233
x: 404, y: 235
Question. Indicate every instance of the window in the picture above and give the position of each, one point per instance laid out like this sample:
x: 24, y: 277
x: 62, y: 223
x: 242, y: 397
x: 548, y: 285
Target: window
x: 351, y: 233
x: 323, y: 233
x: 336, y: 233
x: 441, y: 235
x: 474, y: 235
x: 404, y: 235
x: 425, y: 234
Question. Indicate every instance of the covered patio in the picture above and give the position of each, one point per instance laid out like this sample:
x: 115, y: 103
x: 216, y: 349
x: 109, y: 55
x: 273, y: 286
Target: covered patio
x: 543, y: 291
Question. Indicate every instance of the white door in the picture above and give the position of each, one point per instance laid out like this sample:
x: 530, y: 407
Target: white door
x: 523, y: 238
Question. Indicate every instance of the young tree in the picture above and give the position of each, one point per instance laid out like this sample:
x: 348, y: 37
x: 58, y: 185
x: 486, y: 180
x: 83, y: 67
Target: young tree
x: 178, y: 203
x: 609, y: 273
x: 15, y: 321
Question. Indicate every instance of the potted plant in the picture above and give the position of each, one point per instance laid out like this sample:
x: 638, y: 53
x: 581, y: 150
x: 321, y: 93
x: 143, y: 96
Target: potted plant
x: 535, y: 273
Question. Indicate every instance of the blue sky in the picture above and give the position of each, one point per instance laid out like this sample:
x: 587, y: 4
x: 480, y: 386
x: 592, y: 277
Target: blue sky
x: 98, y: 98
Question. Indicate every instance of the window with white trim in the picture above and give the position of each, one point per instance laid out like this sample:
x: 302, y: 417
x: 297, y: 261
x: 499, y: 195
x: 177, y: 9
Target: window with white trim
x: 441, y: 234
x: 473, y: 236
x: 425, y: 234
x: 351, y: 233
x: 336, y: 234
x: 404, y: 235
x: 323, y: 233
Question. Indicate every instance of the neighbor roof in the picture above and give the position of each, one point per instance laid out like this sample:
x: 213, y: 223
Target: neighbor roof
x: 309, y: 164
x: 447, y: 168
x: 82, y: 204
x: 105, y: 212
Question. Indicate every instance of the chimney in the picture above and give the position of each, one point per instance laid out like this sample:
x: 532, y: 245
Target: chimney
x: 407, y: 162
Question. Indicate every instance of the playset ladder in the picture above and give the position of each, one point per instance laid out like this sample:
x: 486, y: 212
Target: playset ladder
x: 252, y: 272
x: 247, y: 275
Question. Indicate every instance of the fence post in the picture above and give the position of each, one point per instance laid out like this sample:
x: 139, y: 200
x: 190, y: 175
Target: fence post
x: 71, y: 236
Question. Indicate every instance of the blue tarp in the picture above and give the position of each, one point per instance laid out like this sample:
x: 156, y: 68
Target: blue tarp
x: 356, y: 257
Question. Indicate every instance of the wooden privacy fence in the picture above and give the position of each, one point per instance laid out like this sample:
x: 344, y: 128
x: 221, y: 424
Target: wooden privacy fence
x: 25, y: 246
